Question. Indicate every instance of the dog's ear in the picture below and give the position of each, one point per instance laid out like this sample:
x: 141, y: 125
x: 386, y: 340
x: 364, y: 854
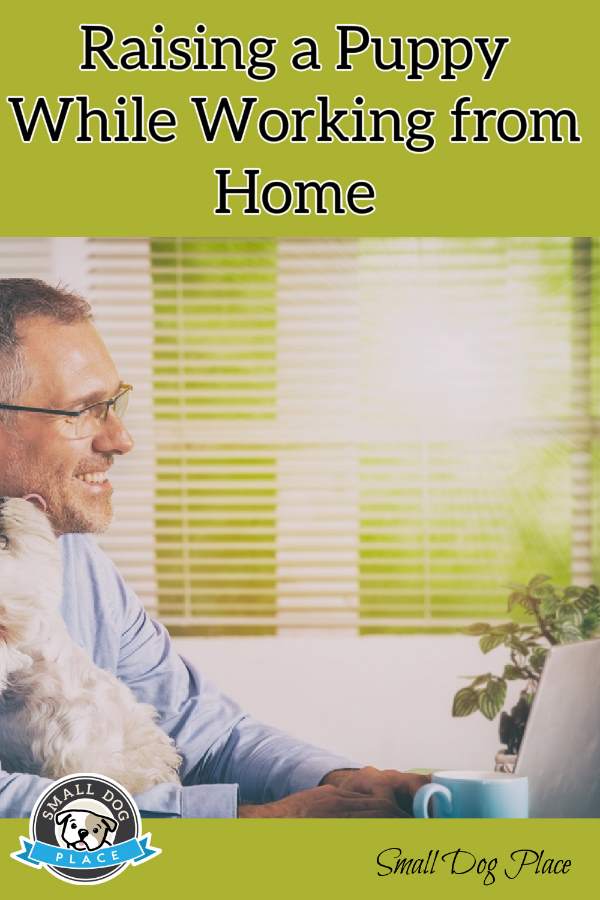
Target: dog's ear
x: 60, y: 817
x: 110, y: 823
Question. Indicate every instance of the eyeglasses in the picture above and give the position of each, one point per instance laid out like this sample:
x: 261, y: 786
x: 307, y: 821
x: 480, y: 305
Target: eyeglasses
x: 83, y: 422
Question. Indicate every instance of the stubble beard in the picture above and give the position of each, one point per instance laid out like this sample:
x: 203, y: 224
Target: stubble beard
x: 68, y: 509
x: 71, y: 517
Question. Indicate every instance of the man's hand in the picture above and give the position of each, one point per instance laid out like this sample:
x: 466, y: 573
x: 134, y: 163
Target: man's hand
x: 325, y: 802
x: 398, y: 787
x: 347, y: 794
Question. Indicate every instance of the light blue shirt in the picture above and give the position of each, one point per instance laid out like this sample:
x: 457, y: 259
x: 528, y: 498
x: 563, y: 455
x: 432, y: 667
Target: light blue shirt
x: 228, y: 757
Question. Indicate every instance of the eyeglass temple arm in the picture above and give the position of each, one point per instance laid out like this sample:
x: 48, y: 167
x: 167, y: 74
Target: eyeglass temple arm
x: 39, y: 409
x: 67, y: 412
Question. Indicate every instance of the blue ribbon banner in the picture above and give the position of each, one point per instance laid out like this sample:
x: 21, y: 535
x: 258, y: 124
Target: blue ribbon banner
x: 135, y: 850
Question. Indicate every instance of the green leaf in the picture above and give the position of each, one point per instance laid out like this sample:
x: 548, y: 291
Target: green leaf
x: 492, y: 699
x: 497, y: 689
x: 490, y: 641
x: 513, y: 673
x: 549, y: 605
x: 530, y: 630
x: 518, y: 645
x: 569, y: 614
x: 590, y: 624
x: 487, y: 706
x: 515, y: 598
x: 465, y: 702
x: 478, y: 628
x: 569, y: 633
x: 481, y: 679
x: 538, y: 658
x: 530, y: 603
x: 590, y: 598
x: 537, y: 581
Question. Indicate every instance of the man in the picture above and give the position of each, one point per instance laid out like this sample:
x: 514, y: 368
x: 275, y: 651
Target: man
x: 53, y: 364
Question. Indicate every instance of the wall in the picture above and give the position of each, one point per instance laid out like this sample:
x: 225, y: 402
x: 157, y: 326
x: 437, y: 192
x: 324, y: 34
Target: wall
x: 385, y: 701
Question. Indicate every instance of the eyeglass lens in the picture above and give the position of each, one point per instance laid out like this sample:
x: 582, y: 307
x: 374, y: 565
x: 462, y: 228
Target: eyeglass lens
x: 120, y: 404
x: 85, y: 425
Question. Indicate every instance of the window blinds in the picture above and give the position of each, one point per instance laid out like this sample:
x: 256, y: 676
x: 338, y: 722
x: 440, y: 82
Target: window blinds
x: 119, y: 287
x: 367, y: 434
x: 373, y: 435
x: 26, y: 258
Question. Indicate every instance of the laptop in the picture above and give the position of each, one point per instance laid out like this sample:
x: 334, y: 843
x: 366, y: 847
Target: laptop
x: 560, y: 751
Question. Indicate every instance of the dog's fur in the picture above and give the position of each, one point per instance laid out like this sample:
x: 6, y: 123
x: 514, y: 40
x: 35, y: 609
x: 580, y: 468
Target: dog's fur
x: 59, y: 712
x: 83, y: 830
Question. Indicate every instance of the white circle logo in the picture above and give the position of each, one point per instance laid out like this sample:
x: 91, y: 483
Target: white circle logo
x: 85, y: 828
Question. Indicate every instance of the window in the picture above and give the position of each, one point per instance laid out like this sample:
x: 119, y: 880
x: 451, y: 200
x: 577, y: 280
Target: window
x: 359, y: 435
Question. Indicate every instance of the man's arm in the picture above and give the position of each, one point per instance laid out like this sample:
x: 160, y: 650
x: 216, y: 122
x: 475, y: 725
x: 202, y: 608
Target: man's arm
x: 267, y: 763
x: 220, y: 746
x: 282, y: 777
x: 19, y: 793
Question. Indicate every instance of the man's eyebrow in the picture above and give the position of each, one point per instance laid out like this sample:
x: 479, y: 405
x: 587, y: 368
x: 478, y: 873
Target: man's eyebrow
x: 92, y: 397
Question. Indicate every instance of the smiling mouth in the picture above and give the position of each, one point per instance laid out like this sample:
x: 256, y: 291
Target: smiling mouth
x: 94, y: 478
x: 80, y: 845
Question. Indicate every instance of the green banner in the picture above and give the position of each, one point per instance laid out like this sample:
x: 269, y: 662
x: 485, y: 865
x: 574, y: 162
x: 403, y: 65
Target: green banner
x: 317, y: 858
x: 321, y: 119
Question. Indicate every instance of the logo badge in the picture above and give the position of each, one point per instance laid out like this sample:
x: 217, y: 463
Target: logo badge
x: 85, y: 829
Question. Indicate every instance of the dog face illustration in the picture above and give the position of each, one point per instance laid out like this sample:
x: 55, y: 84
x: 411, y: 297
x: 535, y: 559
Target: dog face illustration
x: 83, y: 830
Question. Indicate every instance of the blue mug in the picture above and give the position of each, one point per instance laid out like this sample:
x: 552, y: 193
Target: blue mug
x: 473, y: 795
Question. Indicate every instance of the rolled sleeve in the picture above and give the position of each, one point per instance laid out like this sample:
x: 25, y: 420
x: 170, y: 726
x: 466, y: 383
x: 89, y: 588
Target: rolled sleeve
x: 210, y: 801
x: 198, y: 801
x: 19, y: 793
x: 310, y: 773
x: 267, y: 763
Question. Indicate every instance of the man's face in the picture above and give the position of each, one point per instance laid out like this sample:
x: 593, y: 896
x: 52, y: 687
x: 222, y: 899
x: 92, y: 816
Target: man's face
x: 68, y: 367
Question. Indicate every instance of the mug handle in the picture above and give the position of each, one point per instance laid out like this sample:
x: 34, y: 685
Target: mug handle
x: 424, y: 794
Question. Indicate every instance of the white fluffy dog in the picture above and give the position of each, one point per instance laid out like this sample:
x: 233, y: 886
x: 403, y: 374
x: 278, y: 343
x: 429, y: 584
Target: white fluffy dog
x: 59, y: 712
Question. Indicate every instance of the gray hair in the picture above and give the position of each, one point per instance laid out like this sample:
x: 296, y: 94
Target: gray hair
x: 24, y: 298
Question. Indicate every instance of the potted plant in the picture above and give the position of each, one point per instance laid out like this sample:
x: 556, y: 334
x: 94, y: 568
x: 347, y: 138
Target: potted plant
x: 560, y: 616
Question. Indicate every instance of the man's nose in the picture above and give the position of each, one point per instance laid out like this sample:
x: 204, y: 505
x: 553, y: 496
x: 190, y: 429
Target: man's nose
x: 112, y: 436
